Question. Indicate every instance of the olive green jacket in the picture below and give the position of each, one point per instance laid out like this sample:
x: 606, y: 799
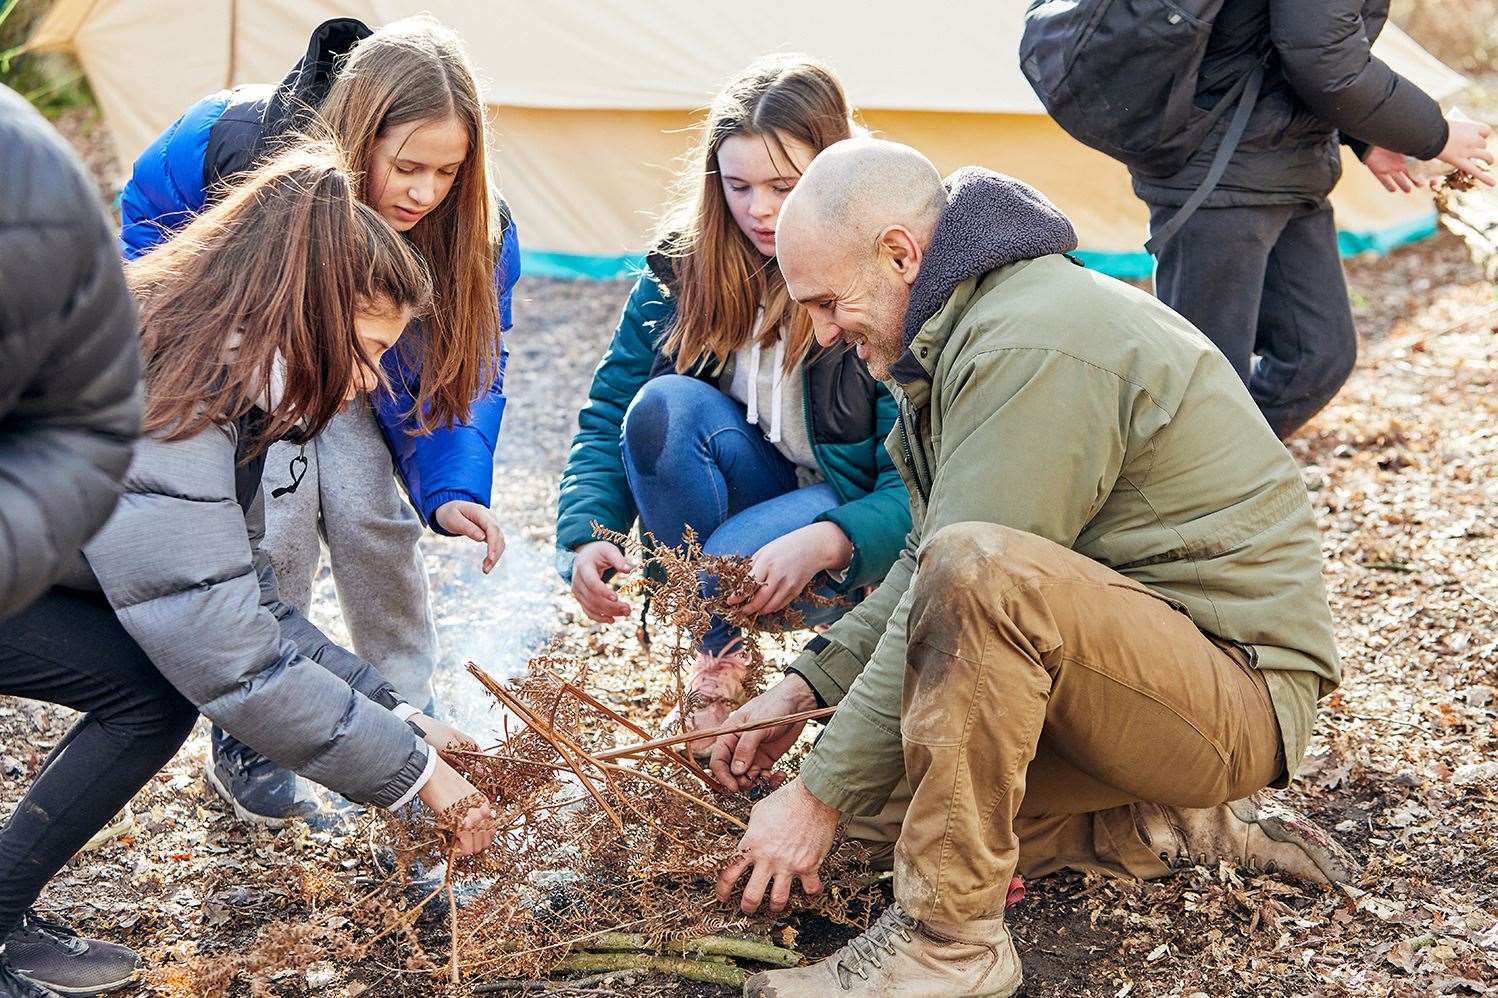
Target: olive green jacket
x: 1050, y: 399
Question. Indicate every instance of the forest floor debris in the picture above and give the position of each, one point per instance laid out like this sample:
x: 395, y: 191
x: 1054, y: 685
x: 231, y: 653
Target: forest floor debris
x: 1403, y: 471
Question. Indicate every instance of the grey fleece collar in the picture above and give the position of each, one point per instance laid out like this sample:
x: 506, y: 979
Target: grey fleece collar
x: 991, y: 220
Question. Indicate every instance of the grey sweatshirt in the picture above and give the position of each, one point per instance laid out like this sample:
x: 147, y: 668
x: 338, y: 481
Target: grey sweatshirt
x: 180, y: 562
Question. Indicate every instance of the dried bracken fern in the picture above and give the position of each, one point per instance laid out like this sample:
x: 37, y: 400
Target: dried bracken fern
x: 674, y: 587
x: 590, y: 840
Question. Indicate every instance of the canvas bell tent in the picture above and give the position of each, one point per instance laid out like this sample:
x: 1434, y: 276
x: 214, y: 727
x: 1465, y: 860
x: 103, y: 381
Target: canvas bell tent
x: 592, y: 101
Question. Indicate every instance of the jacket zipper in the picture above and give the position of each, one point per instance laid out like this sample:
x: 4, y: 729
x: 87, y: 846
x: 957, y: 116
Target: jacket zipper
x: 915, y: 471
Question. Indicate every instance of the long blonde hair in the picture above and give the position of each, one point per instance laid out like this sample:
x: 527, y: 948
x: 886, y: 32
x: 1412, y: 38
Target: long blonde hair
x: 721, y: 279
x: 415, y: 69
x: 280, y: 266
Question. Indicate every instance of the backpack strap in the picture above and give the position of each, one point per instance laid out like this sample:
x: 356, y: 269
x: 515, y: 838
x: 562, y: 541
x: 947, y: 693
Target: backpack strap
x: 1246, y: 92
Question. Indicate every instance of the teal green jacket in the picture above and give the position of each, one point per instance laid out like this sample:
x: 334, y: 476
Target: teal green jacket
x: 848, y: 416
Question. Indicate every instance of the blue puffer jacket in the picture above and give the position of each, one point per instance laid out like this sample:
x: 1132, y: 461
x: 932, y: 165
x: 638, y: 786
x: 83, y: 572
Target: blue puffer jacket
x: 226, y: 133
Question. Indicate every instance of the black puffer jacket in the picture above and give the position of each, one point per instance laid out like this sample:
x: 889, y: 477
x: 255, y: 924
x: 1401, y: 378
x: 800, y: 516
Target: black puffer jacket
x: 1321, y: 81
x: 70, y: 396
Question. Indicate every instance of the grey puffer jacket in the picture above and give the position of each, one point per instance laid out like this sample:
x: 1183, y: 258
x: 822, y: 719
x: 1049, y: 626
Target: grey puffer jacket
x: 181, y: 564
x: 1322, y: 84
x: 70, y: 401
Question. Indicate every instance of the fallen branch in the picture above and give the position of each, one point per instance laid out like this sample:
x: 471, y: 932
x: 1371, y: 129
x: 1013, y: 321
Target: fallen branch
x: 705, y: 971
x: 406, y: 920
x: 452, y: 913
x: 525, y: 987
x: 616, y: 768
x: 730, y: 946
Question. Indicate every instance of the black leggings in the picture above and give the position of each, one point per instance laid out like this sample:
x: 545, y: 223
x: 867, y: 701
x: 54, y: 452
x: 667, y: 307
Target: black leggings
x: 69, y: 648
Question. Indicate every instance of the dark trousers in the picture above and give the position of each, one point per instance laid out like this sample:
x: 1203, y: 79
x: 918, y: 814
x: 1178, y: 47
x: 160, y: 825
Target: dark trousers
x: 69, y: 648
x: 1265, y: 284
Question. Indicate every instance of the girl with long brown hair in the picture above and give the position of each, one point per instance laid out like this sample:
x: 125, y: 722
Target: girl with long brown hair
x: 403, y: 104
x: 260, y: 321
x: 714, y: 410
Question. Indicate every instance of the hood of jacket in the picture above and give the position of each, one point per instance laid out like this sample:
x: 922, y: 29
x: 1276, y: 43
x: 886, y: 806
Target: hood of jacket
x: 990, y: 221
x: 309, y: 81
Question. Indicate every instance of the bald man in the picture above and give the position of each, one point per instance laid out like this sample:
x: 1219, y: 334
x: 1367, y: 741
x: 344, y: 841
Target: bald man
x: 1108, y: 622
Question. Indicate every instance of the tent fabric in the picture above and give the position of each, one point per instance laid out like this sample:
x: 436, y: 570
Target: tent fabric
x: 592, y: 101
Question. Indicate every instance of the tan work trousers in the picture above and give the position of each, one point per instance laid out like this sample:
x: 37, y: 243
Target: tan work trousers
x: 1044, y: 695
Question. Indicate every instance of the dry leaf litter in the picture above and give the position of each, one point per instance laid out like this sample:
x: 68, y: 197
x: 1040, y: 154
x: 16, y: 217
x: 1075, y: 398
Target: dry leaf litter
x: 1402, y: 472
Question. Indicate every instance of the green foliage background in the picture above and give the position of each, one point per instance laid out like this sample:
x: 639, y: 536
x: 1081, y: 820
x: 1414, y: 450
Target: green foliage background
x: 53, y: 83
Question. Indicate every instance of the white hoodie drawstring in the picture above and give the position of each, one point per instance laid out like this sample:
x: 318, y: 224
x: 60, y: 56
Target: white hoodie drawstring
x: 777, y: 379
x: 777, y: 389
x: 752, y: 415
x: 777, y: 382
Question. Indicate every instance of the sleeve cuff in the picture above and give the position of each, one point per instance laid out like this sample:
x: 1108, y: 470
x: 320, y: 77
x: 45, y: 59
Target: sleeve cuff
x: 421, y: 781
x: 823, y: 782
x: 841, y: 575
x: 1437, y: 146
x: 828, y: 668
x: 436, y: 500
x: 384, y: 694
x: 404, y: 711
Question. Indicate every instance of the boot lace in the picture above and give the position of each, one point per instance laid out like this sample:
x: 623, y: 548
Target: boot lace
x: 33, y: 924
x: 870, y: 949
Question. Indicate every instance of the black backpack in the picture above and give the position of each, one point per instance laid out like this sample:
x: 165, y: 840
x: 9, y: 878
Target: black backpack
x: 1121, y: 76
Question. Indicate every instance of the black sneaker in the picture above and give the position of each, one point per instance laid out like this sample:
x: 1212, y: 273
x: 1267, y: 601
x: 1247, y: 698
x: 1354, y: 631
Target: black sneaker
x: 13, y: 985
x: 258, y: 790
x: 54, y: 957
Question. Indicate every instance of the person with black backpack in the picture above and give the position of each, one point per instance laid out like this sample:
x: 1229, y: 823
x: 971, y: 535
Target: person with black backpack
x: 1231, y: 118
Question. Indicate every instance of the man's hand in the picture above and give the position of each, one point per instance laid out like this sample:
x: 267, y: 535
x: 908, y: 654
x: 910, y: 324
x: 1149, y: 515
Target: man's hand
x: 740, y: 759
x: 789, y: 834
x: 443, y: 736
x: 469, y: 519
x: 595, y: 596
x: 1467, y: 149
x: 785, y: 565
x: 1391, y: 169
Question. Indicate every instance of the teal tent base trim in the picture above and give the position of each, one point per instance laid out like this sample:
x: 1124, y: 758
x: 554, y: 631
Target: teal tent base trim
x: 1383, y: 240
x: 578, y: 266
x: 1137, y: 266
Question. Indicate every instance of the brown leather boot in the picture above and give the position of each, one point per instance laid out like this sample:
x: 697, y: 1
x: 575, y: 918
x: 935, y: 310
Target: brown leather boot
x: 1253, y: 832
x: 899, y: 957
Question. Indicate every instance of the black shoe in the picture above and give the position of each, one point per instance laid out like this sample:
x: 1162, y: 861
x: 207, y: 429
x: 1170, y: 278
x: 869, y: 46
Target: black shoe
x: 55, y: 957
x: 13, y: 985
x: 258, y: 790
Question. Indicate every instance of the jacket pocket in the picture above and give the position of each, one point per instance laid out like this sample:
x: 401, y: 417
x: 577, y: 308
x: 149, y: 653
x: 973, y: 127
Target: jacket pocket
x: 1229, y: 530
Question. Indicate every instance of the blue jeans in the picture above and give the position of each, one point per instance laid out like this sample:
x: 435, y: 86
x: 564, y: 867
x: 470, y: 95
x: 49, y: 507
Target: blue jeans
x: 693, y: 460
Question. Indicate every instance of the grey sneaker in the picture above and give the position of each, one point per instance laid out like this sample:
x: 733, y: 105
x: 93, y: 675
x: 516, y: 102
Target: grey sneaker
x: 13, y: 985
x: 59, y: 961
x: 258, y: 790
